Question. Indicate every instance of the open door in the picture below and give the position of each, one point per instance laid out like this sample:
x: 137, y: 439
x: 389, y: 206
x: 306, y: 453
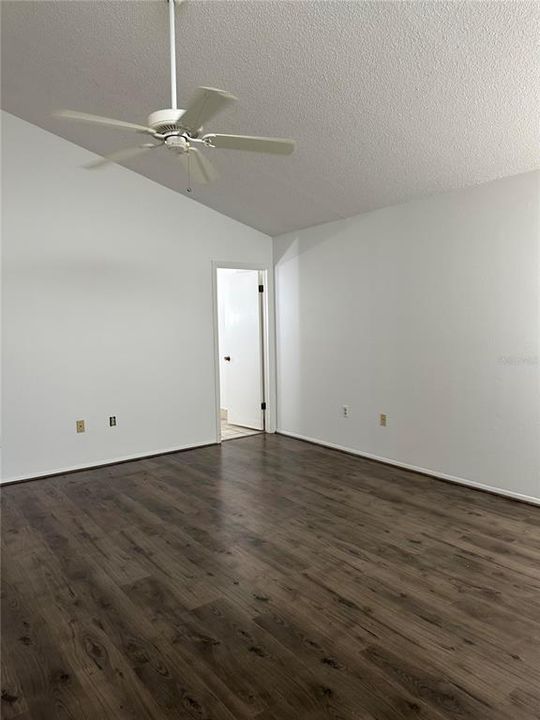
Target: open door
x: 240, y: 348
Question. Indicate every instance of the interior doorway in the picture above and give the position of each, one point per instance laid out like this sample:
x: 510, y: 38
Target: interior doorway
x: 240, y: 315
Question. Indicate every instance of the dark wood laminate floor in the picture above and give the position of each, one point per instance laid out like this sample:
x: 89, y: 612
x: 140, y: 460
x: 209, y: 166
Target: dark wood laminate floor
x: 267, y: 579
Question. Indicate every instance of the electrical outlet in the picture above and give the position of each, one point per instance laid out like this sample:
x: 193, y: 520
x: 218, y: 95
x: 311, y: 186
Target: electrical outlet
x: 112, y: 421
x: 346, y: 411
x: 382, y: 419
x: 79, y: 424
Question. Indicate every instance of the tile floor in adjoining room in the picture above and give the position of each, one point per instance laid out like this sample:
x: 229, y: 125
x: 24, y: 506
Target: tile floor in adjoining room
x: 231, y: 432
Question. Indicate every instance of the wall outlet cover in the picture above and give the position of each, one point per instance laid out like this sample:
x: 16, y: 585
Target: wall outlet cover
x: 79, y: 424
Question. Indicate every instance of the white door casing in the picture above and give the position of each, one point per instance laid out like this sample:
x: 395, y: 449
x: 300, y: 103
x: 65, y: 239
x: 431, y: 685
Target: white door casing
x: 240, y: 335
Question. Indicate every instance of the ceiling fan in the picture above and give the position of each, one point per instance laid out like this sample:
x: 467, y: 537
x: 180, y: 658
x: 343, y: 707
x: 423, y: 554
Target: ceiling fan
x: 181, y: 131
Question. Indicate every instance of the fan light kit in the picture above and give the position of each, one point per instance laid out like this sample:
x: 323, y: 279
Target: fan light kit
x: 181, y: 131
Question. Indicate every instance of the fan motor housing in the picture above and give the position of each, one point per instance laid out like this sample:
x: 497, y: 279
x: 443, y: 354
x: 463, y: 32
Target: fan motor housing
x: 178, y: 143
x: 165, y: 121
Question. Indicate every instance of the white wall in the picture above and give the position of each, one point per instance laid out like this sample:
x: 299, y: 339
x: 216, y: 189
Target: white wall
x: 107, y: 308
x: 428, y: 312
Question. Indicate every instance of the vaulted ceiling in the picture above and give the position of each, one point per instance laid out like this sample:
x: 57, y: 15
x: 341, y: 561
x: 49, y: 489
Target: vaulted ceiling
x: 386, y: 100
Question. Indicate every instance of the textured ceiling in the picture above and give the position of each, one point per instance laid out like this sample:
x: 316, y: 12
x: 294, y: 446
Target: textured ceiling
x: 387, y: 100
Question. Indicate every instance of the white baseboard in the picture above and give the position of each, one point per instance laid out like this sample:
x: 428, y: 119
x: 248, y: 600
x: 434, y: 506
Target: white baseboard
x: 103, y: 463
x: 315, y: 441
x: 414, y: 468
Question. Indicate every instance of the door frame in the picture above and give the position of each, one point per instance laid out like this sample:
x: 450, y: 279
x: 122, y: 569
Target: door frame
x: 267, y: 335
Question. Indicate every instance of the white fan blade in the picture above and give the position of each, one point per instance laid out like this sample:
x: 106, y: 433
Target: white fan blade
x: 98, y: 120
x: 120, y: 155
x: 276, y: 146
x: 206, y: 103
x: 198, y: 166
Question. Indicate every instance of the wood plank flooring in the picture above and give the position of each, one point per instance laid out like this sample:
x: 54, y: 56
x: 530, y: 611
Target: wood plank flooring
x: 267, y: 579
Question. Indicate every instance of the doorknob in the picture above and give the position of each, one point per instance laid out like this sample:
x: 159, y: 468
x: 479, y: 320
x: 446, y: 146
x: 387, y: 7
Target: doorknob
x: 227, y: 358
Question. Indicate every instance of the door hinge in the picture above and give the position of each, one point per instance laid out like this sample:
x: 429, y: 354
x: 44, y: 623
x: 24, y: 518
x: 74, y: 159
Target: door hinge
x: 261, y: 288
x: 263, y: 406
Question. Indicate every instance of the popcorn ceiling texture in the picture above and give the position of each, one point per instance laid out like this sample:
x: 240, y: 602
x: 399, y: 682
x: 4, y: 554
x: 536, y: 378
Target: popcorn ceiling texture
x: 387, y: 101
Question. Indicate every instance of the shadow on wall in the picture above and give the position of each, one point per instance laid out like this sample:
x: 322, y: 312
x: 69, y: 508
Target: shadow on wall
x: 296, y: 243
x: 92, y: 273
x: 321, y: 309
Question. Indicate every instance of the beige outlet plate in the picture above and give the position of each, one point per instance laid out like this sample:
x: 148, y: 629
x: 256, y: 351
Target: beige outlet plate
x: 79, y: 424
x: 382, y: 419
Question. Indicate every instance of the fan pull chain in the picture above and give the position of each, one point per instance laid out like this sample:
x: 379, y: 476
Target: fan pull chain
x: 188, y: 189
